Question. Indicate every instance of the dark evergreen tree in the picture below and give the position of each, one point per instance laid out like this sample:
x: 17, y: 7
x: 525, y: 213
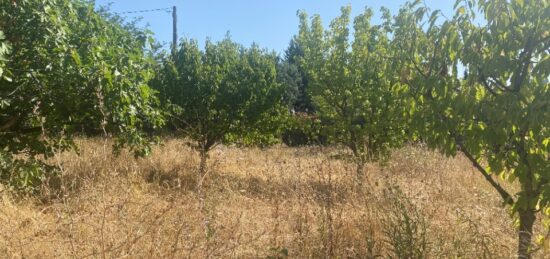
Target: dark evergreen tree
x: 292, y: 76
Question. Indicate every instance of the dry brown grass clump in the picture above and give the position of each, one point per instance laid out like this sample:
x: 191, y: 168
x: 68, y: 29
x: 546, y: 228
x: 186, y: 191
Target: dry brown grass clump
x: 260, y: 203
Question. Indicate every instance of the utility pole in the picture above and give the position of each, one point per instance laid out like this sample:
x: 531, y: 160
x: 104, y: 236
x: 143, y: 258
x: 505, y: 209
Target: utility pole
x: 174, y: 30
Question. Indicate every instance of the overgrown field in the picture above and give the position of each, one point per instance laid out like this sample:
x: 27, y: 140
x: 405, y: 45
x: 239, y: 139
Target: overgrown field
x: 260, y: 203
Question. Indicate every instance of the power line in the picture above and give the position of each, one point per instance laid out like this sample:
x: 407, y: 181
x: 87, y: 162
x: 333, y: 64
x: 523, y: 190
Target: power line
x: 174, y: 21
x: 168, y: 9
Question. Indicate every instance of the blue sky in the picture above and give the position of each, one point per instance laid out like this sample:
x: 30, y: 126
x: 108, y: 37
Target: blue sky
x: 270, y: 23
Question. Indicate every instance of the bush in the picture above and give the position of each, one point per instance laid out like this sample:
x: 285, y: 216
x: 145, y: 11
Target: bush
x: 303, y: 129
x: 23, y: 175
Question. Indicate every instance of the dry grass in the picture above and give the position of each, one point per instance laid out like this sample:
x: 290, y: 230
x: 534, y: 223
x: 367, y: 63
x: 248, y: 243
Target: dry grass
x: 261, y: 203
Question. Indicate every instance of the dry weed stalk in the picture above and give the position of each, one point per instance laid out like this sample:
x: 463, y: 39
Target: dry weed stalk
x: 260, y: 203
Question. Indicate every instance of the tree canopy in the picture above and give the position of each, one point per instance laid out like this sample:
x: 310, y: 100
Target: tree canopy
x: 223, y: 94
x: 53, y: 83
x: 293, y: 77
x: 359, y: 98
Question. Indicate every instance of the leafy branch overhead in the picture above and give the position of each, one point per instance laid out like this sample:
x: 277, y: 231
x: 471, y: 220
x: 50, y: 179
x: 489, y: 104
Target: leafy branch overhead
x: 483, y: 90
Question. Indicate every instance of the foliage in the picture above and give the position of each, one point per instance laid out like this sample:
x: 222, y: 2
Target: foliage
x: 293, y: 76
x: 303, y: 129
x: 54, y: 84
x: 224, y: 94
x: 357, y: 95
x: 289, y: 75
x: 497, y: 114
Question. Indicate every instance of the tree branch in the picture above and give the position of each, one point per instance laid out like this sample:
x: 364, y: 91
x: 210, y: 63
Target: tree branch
x: 488, y: 87
x: 417, y: 68
x: 508, y: 199
x: 522, y: 71
x: 500, y: 83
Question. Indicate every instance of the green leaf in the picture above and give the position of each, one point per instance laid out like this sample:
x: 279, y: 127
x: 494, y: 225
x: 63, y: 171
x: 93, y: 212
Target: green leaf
x: 76, y: 57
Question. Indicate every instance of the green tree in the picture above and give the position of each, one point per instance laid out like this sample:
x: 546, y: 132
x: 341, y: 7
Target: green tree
x: 300, y: 129
x: 68, y: 69
x: 361, y: 102
x: 483, y: 90
x: 289, y: 76
x: 294, y: 78
x: 224, y: 94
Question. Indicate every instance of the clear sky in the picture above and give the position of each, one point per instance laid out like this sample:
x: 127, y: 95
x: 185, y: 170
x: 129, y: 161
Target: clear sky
x: 270, y: 23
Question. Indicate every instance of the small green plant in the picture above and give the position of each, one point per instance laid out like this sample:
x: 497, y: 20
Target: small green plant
x: 481, y: 241
x: 277, y: 253
x: 23, y: 175
x: 405, y: 226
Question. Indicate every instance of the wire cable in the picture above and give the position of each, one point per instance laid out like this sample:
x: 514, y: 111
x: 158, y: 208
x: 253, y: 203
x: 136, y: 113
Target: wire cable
x: 168, y: 9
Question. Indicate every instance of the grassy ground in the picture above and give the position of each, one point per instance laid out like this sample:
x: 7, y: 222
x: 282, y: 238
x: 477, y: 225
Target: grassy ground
x: 260, y: 203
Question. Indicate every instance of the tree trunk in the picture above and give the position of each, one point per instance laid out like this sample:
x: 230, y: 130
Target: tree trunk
x: 525, y: 233
x: 203, y: 165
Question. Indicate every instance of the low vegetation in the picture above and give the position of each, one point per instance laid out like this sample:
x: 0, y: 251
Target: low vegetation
x: 260, y: 203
